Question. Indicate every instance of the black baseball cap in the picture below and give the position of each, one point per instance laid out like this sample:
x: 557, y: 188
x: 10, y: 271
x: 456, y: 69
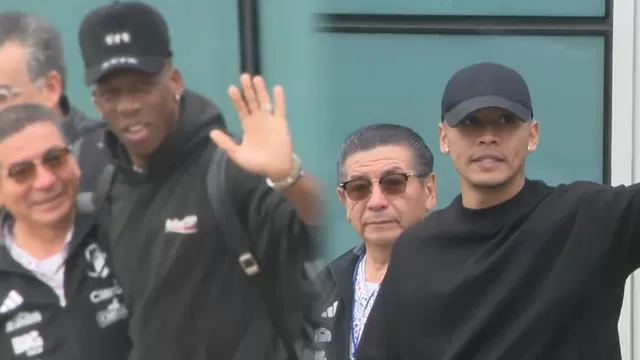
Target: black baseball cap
x: 485, y: 85
x: 123, y: 35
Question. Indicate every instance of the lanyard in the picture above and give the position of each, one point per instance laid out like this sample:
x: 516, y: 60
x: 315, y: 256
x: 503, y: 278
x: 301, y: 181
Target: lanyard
x: 358, y: 322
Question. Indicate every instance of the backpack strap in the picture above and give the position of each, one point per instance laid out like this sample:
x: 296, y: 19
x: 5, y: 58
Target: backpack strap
x: 104, y: 186
x: 238, y: 240
x: 101, y: 199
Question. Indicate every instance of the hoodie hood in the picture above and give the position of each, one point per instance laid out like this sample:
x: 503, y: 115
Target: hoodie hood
x: 197, y: 117
x: 76, y: 122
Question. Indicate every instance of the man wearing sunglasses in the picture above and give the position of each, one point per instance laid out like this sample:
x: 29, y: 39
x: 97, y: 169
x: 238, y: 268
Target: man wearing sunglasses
x: 33, y: 70
x: 386, y: 185
x: 59, y: 299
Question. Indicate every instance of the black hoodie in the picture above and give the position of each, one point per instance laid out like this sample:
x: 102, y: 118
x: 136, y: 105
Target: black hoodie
x: 87, y: 137
x: 188, y: 296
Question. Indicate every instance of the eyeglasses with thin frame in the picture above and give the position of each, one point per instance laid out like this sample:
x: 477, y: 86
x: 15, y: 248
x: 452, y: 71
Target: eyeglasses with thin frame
x: 55, y: 159
x: 8, y: 93
x: 391, y: 184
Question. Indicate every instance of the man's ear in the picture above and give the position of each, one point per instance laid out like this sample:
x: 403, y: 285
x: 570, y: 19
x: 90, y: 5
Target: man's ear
x: 444, y: 141
x: 52, y: 89
x: 177, y: 82
x: 342, y: 196
x: 534, y: 135
x: 430, y: 185
x: 94, y: 102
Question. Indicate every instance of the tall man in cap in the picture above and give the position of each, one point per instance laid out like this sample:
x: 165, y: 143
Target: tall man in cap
x: 189, y: 297
x: 513, y: 268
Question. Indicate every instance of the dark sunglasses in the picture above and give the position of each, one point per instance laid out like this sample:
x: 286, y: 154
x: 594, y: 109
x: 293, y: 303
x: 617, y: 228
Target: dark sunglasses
x: 391, y: 184
x: 53, y: 159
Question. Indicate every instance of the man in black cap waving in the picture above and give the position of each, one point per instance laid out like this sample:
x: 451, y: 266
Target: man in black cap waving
x: 194, y: 293
x: 512, y: 268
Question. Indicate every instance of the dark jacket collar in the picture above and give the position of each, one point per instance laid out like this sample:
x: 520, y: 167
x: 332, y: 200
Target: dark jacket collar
x: 342, y: 270
x: 336, y: 283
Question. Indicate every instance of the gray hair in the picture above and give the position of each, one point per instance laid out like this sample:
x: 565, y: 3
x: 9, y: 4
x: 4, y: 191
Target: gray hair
x: 376, y: 135
x: 15, y: 118
x: 42, y: 43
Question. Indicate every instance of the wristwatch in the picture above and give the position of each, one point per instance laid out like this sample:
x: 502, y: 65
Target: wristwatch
x: 294, y: 175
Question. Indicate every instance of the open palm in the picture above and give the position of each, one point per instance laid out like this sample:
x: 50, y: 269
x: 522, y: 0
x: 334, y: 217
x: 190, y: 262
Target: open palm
x: 266, y: 147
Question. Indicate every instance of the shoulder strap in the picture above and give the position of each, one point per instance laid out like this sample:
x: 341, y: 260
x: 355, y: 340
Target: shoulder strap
x: 104, y: 186
x: 238, y: 241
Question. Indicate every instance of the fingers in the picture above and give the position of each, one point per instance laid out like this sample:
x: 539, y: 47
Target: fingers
x: 249, y: 93
x: 238, y: 102
x: 256, y: 97
x: 263, y: 94
x: 280, y: 107
x: 224, y: 142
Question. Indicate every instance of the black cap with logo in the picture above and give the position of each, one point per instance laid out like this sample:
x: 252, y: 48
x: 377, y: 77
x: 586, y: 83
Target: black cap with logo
x: 485, y: 85
x: 123, y: 35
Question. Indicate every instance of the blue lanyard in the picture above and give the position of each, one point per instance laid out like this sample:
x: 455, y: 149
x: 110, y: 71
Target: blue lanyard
x: 356, y: 276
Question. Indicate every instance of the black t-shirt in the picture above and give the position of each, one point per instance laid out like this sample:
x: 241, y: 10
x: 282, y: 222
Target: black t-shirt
x: 540, y: 276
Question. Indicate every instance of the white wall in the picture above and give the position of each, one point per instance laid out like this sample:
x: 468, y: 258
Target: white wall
x: 625, y: 141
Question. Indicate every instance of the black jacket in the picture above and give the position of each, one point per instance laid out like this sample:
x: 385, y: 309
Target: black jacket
x: 188, y: 295
x: 92, y: 325
x: 87, y: 137
x: 331, y: 314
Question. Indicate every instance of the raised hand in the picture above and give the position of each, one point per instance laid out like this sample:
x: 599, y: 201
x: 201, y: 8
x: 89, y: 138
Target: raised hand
x: 266, y: 146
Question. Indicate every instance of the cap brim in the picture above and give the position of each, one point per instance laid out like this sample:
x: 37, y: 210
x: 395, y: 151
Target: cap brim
x: 465, y: 108
x: 150, y: 65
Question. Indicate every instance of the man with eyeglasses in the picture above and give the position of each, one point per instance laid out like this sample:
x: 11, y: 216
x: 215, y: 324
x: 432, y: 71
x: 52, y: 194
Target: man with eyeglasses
x: 33, y: 70
x: 59, y: 299
x: 386, y: 185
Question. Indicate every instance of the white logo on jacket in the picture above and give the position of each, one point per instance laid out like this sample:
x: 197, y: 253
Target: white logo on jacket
x: 23, y: 319
x: 188, y: 225
x: 98, y: 260
x: 107, y: 293
x: 29, y: 344
x: 331, y: 311
x: 112, y: 314
x: 12, y: 301
x: 322, y: 335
